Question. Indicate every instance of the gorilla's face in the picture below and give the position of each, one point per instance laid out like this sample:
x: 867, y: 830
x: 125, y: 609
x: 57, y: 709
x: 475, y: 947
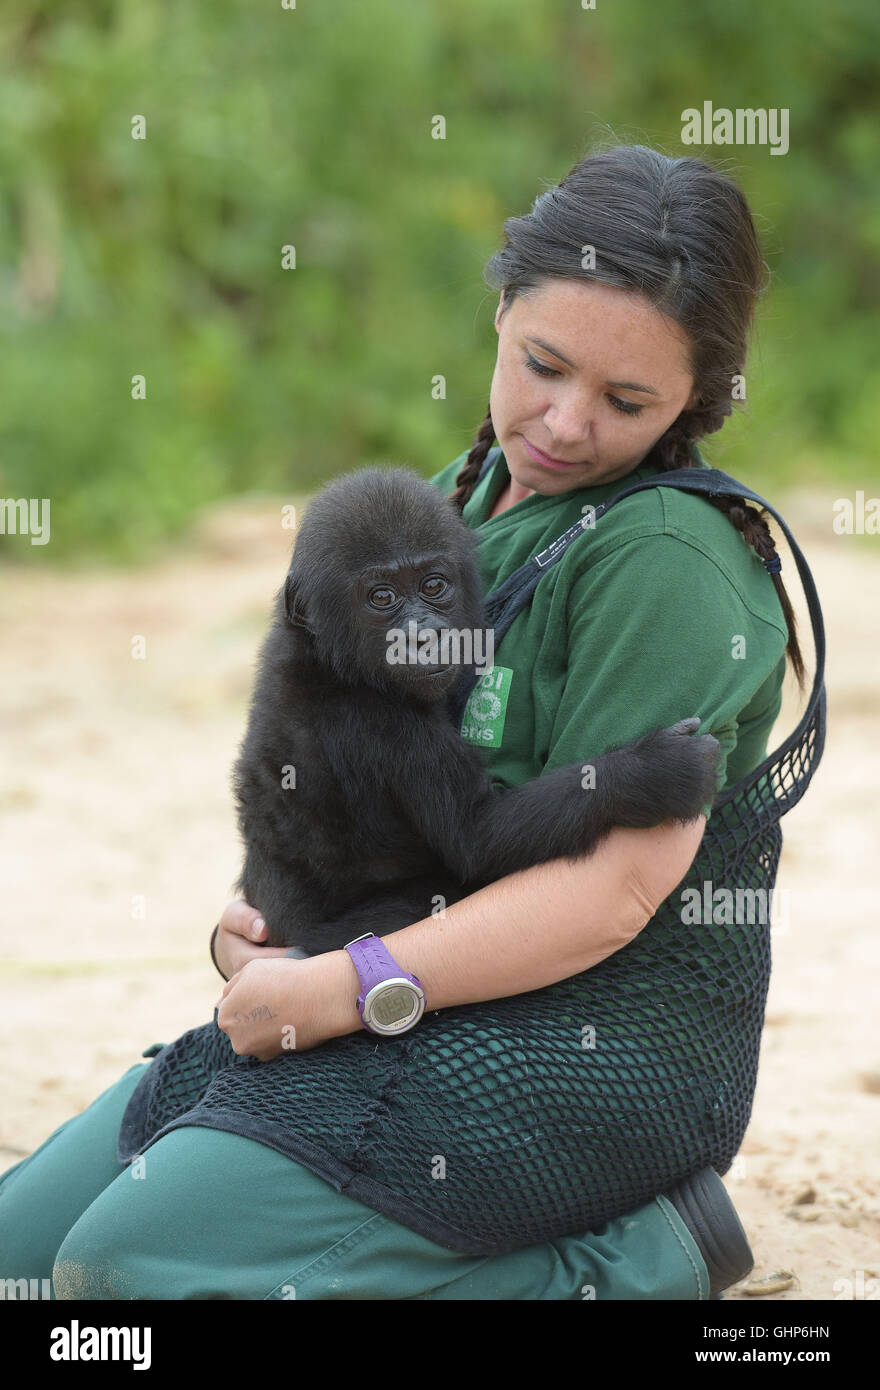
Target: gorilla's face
x: 403, y: 627
x: 408, y: 614
x: 385, y: 578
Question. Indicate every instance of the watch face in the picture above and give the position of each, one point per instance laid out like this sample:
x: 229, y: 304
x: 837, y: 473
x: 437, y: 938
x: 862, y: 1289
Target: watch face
x: 394, y: 1006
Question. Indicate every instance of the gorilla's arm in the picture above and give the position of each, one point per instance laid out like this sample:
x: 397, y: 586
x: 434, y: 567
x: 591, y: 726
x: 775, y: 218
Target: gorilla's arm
x: 482, y: 832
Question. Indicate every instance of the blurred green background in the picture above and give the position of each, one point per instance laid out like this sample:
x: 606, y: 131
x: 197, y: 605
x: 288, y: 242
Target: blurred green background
x: 312, y: 127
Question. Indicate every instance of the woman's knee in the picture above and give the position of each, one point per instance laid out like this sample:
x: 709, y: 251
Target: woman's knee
x: 88, y: 1268
x: 42, y: 1197
x: 116, y: 1249
x: 172, y: 1226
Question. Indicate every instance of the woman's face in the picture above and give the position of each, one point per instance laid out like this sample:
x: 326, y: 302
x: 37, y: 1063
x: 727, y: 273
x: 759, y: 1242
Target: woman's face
x: 587, y: 375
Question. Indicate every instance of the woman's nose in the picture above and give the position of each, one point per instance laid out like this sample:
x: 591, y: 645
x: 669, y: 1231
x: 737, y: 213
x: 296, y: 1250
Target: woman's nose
x: 571, y: 426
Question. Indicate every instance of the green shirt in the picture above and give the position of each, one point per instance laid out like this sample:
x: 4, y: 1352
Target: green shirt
x: 660, y: 612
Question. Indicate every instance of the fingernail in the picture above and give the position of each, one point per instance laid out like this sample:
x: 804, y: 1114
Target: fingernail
x: 257, y: 926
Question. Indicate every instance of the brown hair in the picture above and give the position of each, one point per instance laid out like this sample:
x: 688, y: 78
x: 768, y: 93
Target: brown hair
x: 680, y: 233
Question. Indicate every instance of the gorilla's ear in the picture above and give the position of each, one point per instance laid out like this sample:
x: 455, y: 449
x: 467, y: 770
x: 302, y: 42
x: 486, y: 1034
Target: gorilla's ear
x: 293, y: 609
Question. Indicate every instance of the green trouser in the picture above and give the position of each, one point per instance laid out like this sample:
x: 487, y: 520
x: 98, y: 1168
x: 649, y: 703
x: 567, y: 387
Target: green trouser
x: 215, y: 1215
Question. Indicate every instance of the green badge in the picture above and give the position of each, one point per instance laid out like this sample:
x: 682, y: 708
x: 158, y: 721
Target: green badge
x: 484, y: 714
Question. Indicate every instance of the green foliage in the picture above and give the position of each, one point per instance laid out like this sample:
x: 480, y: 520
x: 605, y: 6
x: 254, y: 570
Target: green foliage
x: 312, y: 127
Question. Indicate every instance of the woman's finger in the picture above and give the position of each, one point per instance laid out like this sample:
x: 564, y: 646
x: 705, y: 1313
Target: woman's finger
x: 243, y: 920
x: 234, y: 951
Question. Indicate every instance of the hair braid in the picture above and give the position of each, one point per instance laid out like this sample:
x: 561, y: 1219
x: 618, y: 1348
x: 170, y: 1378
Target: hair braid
x: 470, y: 470
x: 671, y: 451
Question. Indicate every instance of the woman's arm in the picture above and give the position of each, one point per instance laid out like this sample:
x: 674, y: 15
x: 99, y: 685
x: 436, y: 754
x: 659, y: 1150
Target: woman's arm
x: 548, y: 922
x: 526, y: 931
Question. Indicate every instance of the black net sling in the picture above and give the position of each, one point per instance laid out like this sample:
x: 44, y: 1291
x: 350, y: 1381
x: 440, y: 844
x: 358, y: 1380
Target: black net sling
x: 499, y: 1125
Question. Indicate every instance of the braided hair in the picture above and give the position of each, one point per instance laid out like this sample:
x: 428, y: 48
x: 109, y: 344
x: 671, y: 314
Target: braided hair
x: 681, y: 234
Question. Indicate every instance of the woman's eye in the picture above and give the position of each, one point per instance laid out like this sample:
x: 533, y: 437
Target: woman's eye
x: 627, y: 407
x: 433, y: 586
x: 382, y: 598
x: 539, y: 367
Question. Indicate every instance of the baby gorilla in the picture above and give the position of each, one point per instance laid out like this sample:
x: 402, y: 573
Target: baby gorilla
x: 360, y: 805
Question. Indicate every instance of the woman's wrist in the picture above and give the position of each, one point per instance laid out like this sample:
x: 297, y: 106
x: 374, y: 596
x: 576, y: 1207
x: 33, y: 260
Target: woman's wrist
x: 335, y: 990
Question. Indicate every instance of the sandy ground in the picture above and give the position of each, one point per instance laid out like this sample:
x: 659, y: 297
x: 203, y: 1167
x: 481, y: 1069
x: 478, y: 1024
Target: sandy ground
x: 119, y: 850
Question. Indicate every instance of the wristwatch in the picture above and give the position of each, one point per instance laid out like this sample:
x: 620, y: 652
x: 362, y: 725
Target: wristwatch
x: 390, y: 1001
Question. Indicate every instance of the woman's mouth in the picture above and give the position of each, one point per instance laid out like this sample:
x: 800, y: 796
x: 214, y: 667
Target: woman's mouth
x: 558, y: 465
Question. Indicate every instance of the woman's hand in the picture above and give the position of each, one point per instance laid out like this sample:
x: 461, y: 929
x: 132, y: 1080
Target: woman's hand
x: 272, y: 1006
x: 240, y: 931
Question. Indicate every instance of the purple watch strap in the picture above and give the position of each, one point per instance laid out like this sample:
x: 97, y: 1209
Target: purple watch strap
x: 375, y: 963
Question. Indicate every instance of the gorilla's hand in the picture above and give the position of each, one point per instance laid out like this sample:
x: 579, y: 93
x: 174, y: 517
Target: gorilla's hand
x: 240, y: 931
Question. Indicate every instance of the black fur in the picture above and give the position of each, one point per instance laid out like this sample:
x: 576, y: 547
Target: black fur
x: 392, y: 813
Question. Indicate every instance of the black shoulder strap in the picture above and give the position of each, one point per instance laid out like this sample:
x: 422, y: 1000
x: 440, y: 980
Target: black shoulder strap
x: 503, y: 603
x: 488, y: 463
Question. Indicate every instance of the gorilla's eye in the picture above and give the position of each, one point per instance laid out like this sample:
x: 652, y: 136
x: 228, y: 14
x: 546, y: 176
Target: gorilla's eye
x: 434, y: 586
x: 382, y: 597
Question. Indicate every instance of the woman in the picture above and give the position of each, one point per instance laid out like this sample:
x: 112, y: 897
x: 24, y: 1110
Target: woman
x: 626, y: 299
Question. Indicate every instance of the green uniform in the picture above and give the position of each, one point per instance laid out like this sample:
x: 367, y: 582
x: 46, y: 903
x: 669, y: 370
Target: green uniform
x: 660, y: 613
